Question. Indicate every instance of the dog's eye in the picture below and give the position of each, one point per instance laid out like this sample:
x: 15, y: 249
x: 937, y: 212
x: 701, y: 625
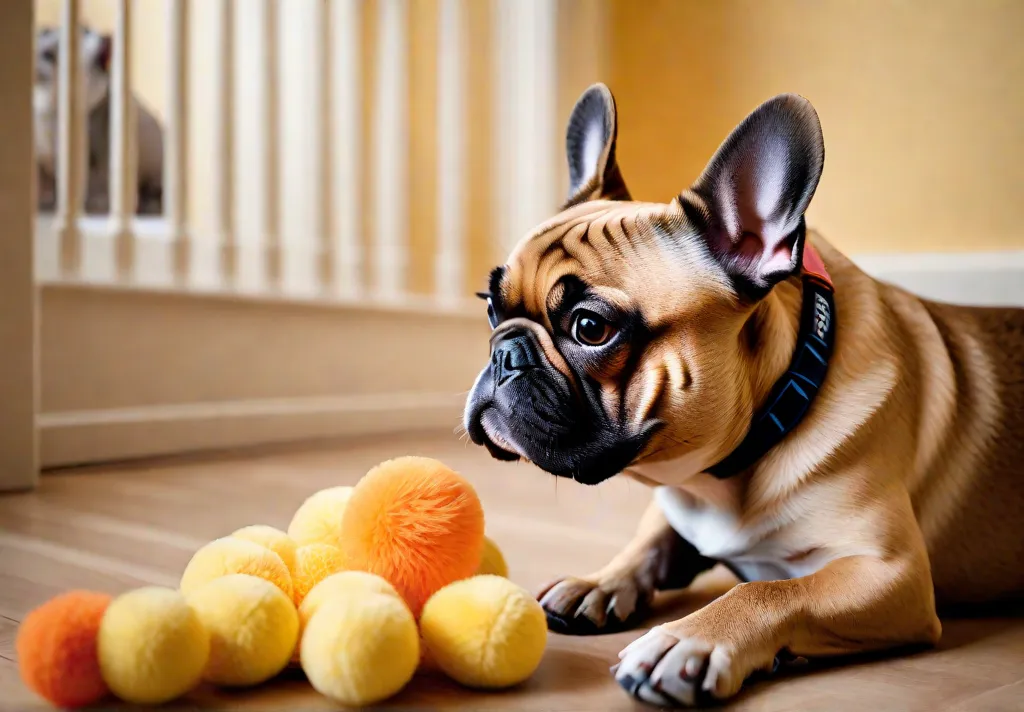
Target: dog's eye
x: 590, y: 329
x: 492, y: 318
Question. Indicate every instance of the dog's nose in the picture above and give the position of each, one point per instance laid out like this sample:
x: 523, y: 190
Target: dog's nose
x: 513, y: 354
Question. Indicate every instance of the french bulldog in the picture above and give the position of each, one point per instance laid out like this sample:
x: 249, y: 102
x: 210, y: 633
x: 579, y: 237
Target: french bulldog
x: 853, y: 453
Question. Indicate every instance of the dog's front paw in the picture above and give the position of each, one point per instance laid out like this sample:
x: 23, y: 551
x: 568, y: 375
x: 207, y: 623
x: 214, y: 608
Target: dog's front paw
x: 674, y: 666
x: 596, y: 605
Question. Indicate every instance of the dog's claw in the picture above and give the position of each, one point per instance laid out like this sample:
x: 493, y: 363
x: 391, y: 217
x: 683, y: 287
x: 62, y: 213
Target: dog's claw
x: 577, y: 625
x: 622, y: 607
x: 581, y: 625
x: 693, y: 667
x: 594, y: 606
x: 641, y: 689
x: 577, y: 607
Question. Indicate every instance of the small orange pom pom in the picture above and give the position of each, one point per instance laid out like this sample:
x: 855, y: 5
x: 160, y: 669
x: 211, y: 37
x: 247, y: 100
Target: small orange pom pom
x: 314, y: 563
x: 417, y: 524
x: 56, y: 648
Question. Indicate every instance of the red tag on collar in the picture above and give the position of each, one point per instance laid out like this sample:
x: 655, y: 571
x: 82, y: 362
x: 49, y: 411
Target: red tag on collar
x: 813, y: 264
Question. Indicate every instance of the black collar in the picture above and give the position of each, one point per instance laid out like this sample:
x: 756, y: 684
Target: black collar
x: 793, y: 393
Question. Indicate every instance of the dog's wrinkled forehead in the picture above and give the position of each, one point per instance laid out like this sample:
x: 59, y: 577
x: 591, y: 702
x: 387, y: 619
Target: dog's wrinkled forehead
x: 619, y: 250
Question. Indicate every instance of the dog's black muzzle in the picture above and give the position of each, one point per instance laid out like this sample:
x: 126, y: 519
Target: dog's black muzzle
x: 522, y: 406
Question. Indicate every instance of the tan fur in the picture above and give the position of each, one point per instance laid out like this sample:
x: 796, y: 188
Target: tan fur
x: 901, y: 490
x: 905, y: 474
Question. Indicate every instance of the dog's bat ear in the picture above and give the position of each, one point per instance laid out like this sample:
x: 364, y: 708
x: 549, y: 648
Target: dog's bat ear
x: 104, y: 52
x: 752, y: 196
x: 97, y: 48
x: 590, y: 149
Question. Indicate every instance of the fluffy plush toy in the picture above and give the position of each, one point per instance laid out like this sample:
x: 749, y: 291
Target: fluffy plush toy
x: 253, y: 629
x: 492, y: 561
x: 346, y: 583
x: 152, y: 646
x: 314, y: 563
x: 56, y: 647
x: 269, y: 538
x: 484, y: 632
x: 335, y: 586
x: 416, y: 523
x: 235, y: 556
x: 318, y: 520
x: 360, y: 649
x: 339, y: 585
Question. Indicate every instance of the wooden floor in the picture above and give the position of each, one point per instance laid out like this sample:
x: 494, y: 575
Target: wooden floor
x: 112, y: 529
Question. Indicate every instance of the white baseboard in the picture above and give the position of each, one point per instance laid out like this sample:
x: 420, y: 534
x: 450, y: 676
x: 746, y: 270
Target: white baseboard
x: 75, y: 437
x: 975, y: 278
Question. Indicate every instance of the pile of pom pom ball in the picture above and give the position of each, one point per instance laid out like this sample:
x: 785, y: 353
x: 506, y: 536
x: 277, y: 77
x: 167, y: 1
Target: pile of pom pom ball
x: 369, y: 584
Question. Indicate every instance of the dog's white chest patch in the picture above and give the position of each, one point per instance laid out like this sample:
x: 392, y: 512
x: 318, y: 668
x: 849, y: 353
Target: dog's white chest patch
x: 753, y: 551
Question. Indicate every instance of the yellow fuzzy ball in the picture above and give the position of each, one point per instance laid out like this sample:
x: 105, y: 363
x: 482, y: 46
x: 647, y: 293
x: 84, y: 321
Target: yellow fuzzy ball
x: 253, y: 629
x: 335, y: 586
x: 151, y: 646
x: 314, y: 563
x: 484, y: 632
x: 493, y: 561
x: 359, y: 650
x: 222, y: 557
x: 318, y: 519
x: 345, y: 583
x: 270, y: 538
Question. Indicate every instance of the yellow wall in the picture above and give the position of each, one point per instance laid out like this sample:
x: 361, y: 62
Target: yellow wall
x: 921, y: 102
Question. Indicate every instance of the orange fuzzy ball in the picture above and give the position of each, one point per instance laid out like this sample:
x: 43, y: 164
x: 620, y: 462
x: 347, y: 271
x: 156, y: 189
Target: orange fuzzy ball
x: 314, y: 563
x: 415, y: 523
x: 57, y: 649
